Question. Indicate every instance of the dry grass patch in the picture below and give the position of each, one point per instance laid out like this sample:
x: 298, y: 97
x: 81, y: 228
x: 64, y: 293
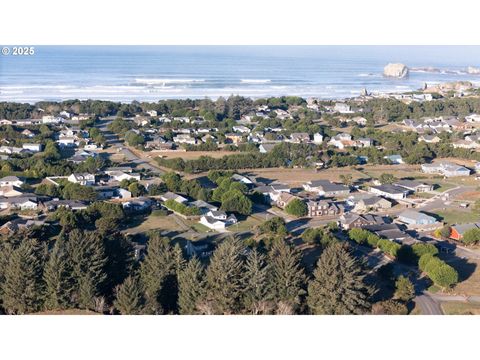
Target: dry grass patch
x: 460, y: 308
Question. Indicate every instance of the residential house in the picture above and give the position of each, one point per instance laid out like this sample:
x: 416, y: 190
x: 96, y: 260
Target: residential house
x: 19, y: 224
x: 234, y: 138
x: 74, y: 205
x: 317, y: 138
x: 414, y: 186
x: 446, y: 169
x: 415, y: 218
x: 32, y: 147
x: 364, y: 142
x: 326, y: 188
x: 351, y: 220
x: 203, y: 206
x: 19, y: 202
x: 267, y: 147
x: 28, y: 133
x: 241, y: 129
x: 457, y: 231
x: 472, y: 118
x: 300, y: 138
x: 243, y: 179
x: 11, y: 181
x: 217, y: 220
x: 85, y: 179
x: 394, y: 159
x: 342, y: 141
x: 372, y: 203
x: 50, y: 119
x: 120, y: 175
x: 390, y: 191
x: 342, y: 108
x: 184, y: 139
x: 430, y: 139
x: 139, y: 204
x: 322, y: 208
x: 172, y: 196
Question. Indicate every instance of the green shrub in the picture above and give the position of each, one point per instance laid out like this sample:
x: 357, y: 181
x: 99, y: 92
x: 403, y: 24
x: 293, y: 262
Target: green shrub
x: 160, y: 212
x: 358, y: 235
x: 182, y: 208
x: 444, y: 275
x: 296, y: 207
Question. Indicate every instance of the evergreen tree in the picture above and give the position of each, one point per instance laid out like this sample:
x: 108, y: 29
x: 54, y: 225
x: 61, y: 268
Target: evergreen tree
x: 404, y: 289
x: 257, y: 294
x: 191, y: 287
x: 86, y: 256
x: 224, y: 277
x: 338, y: 286
x: 287, y: 275
x: 156, y: 276
x: 22, y: 285
x: 129, y: 299
x: 57, y: 278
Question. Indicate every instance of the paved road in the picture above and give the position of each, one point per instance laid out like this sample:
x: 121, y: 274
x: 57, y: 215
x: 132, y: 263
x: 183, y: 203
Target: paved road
x: 116, y: 143
x: 428, y: 305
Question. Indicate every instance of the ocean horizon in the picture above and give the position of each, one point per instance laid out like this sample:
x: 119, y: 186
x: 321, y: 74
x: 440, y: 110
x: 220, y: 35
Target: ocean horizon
x: 152, y: 73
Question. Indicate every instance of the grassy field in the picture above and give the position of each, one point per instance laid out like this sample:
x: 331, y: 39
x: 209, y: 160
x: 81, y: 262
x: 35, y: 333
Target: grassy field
x: 154, y: 222
x: 470, y: 273
x: 457, y: 216
x: 188, y: 155
x: 248, y: 224
x: 297, y: 177
x: 460, y: 308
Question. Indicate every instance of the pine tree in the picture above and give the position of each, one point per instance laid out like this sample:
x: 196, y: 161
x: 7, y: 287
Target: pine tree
x: 57, y: 278
x: 224, y: 277
x: 287, y: 275
x: 121, y: 259
x: 87, y: 258
x: 156, y: 276
x: 257, y: 294
x: 338, y: 286
x: 191, y: 287
x: 404, y: 289
x: 129, y: 297
x: 22, y: 285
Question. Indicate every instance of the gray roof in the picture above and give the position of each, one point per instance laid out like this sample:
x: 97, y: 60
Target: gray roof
x: 391, y: 189
x: 462, y: 228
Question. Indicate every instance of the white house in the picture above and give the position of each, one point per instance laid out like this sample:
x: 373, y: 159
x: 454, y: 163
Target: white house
x: 472, y: 118
x: 82, y: 179
x: 50, y: 119
x: 32, y: 147
x: 11, y: 180
x: 120, y: 175
x: 317, y: 138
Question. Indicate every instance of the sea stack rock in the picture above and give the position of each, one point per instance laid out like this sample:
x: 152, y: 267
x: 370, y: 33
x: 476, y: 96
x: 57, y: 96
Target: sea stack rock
x: 473, y: 70
x: 398, y: 71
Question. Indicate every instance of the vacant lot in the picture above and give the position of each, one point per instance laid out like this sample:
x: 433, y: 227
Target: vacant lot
x: 152, y: 222
x: 469, y: 273
x: 297, y: 177
x: 457, y: 216
x: 188, y: 155
x: 460, y: 308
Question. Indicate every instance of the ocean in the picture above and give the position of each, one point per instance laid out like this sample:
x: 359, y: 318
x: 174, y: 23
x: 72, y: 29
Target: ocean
x: 151, y: 73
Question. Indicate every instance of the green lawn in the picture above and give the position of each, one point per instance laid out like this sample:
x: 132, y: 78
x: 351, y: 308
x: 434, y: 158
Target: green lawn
x: 458, y: 216
x: 200, y: 227
x: 443, y: 186
x: 248, y: 224
x: 424, y: 195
